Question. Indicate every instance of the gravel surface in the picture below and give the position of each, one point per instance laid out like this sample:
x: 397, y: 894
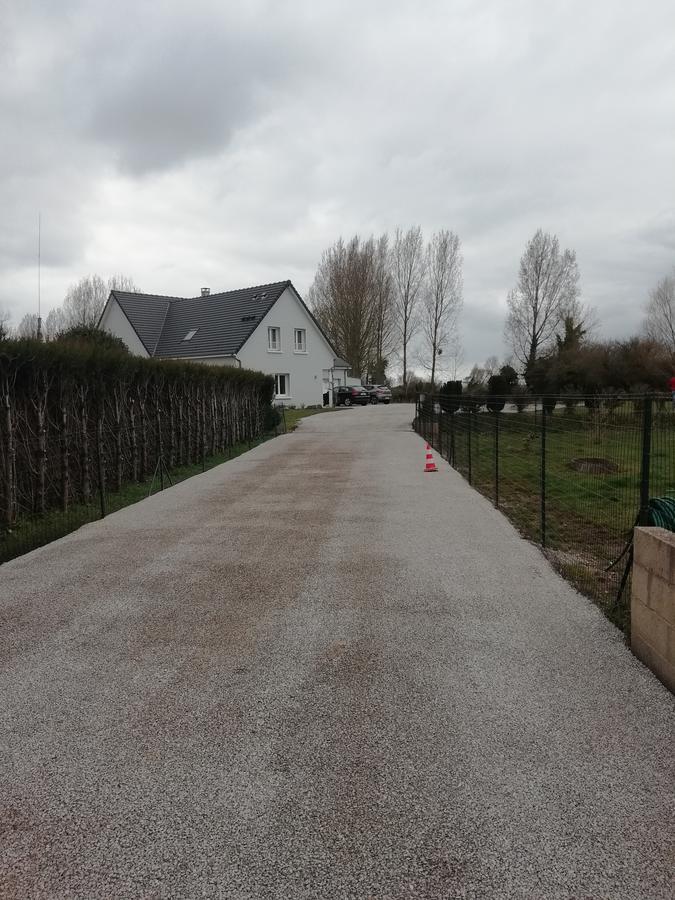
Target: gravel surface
x: 317, y: 672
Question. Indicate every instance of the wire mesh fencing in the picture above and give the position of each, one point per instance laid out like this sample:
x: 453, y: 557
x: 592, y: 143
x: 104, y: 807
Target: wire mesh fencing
x: 574, y: 476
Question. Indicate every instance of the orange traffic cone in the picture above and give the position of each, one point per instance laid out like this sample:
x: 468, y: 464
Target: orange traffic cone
x: 430, y: 465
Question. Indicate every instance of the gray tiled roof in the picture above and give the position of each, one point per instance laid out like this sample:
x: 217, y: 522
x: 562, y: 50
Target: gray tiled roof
x: 147, y: 314
x: 222, y: 322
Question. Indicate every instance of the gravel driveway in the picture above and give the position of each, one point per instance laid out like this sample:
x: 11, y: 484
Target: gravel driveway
x: 317, y: 672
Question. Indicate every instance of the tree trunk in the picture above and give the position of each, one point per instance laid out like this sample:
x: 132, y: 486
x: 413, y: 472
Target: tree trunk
x: 10, y: 470
x: 142, y: 399
x: 171, y: 449
x: 405, y: 358
x: 65, y: 451
x: 100, y: 453
x: 203, y: 428
x: 158, y: 430
x: 133, y: 440
x: 85, y: 460
x: 188, y: 425
x: 118, y: 438
x: 42, y: 444
x: 181, y: 427
x: 212, y: 421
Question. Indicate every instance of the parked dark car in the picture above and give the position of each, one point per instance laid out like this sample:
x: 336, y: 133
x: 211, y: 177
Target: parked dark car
x: 378, y: 393
x: 349, y: 396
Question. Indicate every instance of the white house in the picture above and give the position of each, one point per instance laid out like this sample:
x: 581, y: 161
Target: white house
x: 267, y: 328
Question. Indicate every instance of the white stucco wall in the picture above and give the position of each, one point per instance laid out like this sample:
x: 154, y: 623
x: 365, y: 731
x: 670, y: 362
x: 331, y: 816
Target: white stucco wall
x: 211, y: 360
x: 306, y: 370
x: 309, y: 373
x: 114, y: 321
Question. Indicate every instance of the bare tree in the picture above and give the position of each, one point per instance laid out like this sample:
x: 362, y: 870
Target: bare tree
x: 54, y: 323
x: 407, y: 270
x: 453, y: 356
x: 28, y: 326
x: 342, y: 298
x: 547, y: 291
x: 383, y: 290
x: 442, y: 294
x: 660, y: 320
x: 4, y: 323
x: 84, y: 301
x: 491, y: 366
x: 120, y: 282
x: 476, y: 379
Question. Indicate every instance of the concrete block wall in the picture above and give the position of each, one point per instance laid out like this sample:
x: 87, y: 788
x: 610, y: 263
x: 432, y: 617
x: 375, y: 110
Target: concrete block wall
x: 653, y: 602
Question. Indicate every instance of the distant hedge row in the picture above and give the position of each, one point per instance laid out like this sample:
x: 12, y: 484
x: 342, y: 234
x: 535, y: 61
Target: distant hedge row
x: 75, y: 417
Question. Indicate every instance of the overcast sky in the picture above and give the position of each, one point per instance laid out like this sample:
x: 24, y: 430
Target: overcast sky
x: 226, y: 144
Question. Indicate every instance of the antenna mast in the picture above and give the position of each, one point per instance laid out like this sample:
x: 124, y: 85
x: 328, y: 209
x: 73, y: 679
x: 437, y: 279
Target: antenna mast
x: 39, y: 321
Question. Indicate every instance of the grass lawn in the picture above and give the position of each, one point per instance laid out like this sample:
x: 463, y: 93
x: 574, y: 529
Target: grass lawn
x: 293, y: 416
x: 589, y: 515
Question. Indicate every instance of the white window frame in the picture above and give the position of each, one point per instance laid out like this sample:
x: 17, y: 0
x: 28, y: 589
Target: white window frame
x: 277, y: 395
x: 270, y: 348
x: 303, y: 348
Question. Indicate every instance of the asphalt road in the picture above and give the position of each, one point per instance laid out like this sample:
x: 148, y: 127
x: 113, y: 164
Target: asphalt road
x: 317, y: 672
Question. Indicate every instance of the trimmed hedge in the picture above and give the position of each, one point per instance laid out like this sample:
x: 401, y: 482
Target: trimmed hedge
x: 76, y: 418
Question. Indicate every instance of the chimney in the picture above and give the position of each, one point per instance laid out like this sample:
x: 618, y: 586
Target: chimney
x: 206, y: 292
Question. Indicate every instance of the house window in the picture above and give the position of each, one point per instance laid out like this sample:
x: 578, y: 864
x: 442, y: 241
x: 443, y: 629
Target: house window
x: 300, y: 340
x: 274, y: 339
x: 190, y: 334
x: 282, y: 386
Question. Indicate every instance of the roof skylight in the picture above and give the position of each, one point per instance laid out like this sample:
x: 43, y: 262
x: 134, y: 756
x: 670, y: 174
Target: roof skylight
x: 190, y: 334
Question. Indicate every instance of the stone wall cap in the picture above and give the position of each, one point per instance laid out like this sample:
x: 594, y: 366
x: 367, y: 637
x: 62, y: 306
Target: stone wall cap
x: 661, y: 534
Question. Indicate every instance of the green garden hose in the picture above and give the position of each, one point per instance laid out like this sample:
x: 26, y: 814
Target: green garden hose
x: 660, y: 514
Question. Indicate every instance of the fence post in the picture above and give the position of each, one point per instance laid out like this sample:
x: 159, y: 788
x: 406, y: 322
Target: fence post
x: 543, y: 474
x: 468, y: 442
x: 497, y: 459
x: 646, y: 459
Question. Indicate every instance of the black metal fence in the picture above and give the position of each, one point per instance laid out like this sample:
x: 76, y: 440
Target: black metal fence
x: 574, y: 475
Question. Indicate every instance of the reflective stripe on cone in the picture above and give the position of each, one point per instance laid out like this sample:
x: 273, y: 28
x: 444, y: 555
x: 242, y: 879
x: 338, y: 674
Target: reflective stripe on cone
x: 430, y: 465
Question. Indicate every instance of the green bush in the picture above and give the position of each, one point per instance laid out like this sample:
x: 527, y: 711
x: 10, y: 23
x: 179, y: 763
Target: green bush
x: 90, y: 336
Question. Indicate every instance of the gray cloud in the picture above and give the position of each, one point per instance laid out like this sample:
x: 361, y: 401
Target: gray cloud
x: 183, y: 143
x: 181, y: 91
